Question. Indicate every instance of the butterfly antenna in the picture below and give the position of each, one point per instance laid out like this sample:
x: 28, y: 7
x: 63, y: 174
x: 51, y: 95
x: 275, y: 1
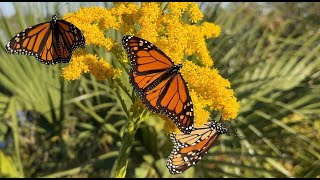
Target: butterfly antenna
x: 235, y: 135
x: 61, y: 8
x: 229, y: 127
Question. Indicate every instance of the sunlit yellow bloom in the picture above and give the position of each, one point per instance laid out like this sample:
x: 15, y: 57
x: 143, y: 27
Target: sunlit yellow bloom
x: 195, y: 13
x: 214, y: 89
x: 91, y: 22
x: 76, y: 67
x: 102, y: 70
x: 84, y: 63
x: 109, y: 21
x: 201, y: 115
x: 210, y: 30
x: 196, y: 45
x: 124, y: 8
x: 177, y: 8
x: 127, y: 14
x: 148, y: 20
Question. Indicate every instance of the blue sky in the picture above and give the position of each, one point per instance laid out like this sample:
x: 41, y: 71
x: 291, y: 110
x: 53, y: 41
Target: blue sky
x: 7, y: 8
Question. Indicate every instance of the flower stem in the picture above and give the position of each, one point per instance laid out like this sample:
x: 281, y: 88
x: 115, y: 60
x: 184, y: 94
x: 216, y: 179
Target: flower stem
x: 118, y: 94
x: 119, y: 170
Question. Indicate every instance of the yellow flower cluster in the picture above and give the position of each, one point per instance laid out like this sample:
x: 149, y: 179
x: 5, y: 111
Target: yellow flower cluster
x: 177, y: 38
x: 177, y: 8
x: 88, y: 21
x: 85, y: 63
x: 149, y: 24
x: 170, y: 30
x: 125, y: 14
x: 211, y: 88
x: 195, y: 13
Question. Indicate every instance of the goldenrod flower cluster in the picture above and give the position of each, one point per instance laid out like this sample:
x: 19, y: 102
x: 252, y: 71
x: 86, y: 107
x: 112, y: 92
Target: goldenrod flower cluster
x: 177, y: 29
x: 89, y: 63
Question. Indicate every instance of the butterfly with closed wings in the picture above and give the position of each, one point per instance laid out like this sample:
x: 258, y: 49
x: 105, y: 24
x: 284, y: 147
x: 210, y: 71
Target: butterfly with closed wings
x: 50, y: 42
x: 189, y: 148
x: 158, y: 82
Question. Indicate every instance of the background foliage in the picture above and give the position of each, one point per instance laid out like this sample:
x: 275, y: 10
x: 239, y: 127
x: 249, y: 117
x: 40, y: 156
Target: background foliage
x: 270, y: 52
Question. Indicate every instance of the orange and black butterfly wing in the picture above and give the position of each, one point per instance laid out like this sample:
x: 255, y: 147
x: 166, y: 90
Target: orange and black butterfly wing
x: 69, y: 38
x: 31, y: 41
x: 175, y: 102
x: 63, y: 39
x: 50, y: 42
x: 145, y: 58
x: 189, y: 148
x: 147, y: 66
x: 149, y: 98
x: 159, y: 90
x: 50, y: 53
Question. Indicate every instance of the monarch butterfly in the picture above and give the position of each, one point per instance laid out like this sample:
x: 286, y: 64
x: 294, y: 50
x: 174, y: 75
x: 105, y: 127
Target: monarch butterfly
x: 50, y: 42
x: 158, y: 82
x: 189, y: 148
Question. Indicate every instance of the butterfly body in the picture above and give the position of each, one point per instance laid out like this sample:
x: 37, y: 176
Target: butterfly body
x: 170, y: 72
x: 188, y: 149
x: 50, y: 42
x: 158, y: 82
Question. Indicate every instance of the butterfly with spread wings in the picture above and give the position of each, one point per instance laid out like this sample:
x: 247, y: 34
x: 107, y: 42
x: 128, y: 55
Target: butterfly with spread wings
x: 189, y: 148
x: 50, y: 42
x: 158, y: 82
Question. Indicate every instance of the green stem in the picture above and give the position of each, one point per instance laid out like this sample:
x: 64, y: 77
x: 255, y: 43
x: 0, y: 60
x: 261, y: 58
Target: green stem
x: 117, y: 92
x: 119, y: 170
x: 124, y: 89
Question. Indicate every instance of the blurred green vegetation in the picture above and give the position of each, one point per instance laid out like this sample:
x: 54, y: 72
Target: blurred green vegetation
x: 270, y: 52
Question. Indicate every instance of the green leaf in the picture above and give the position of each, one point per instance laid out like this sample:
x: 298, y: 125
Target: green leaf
x: 7, y: 168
